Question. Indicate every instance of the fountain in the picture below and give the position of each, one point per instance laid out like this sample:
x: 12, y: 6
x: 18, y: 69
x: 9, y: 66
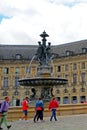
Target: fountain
x: 44, y: 79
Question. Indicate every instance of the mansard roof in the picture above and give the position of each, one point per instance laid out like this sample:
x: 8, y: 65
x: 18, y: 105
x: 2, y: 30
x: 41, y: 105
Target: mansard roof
x: 74, y: 47
x: 28, y: 51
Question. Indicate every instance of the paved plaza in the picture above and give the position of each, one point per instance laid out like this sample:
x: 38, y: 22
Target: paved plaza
x: 74, y: 122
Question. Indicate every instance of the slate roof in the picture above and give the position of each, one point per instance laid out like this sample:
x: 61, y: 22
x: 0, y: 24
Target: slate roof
x: 75, y: 47
x: 28, y: 51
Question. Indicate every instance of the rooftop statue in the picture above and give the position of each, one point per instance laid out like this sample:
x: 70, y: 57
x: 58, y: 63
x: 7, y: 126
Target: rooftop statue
x: 43, y: 51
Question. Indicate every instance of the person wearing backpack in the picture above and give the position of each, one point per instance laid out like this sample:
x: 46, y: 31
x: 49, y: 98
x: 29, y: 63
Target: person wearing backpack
x: 3, y: 113
x: 39, y: 108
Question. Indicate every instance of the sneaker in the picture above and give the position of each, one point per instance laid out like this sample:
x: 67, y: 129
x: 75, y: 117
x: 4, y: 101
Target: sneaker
x: 34, y: 121
x: 9, y: 126
x: 20, y: 119
x: 1, y: 128
x: 42, y: 120
x: 27, y: 121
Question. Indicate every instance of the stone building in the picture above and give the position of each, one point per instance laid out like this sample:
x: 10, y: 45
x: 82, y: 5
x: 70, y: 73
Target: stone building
x: 18, y: 61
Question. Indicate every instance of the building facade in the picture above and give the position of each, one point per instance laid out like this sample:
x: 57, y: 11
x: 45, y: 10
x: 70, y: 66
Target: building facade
x: 18, y: 61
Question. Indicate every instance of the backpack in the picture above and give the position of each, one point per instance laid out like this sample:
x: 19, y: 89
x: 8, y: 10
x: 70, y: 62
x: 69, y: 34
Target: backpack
x: 3, y: 105
x: 0, y: 104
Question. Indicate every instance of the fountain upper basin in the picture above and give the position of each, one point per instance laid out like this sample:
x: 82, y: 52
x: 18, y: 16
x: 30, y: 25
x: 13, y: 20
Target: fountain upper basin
x: 39, y: 81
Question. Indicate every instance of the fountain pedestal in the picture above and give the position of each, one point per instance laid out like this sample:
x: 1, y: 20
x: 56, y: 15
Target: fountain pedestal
x: 44, y: 71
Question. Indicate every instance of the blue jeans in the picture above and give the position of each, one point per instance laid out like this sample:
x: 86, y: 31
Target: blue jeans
x: 53, y: 115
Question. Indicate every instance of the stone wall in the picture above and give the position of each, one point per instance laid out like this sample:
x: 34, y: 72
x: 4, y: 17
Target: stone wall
x: 15, y: 113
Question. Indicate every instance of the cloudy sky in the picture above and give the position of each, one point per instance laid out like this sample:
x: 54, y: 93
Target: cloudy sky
x: 22, y: 21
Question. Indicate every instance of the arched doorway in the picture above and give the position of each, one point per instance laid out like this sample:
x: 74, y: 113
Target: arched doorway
x: 65, y: 100
x: 82, y: 99
x: 74, y: 99
x: 17, y: 102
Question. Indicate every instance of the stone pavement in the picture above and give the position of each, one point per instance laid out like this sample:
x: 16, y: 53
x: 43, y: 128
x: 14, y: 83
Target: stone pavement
x: 72, y: 122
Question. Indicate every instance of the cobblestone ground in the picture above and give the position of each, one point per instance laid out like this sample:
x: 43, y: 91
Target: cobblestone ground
x: 75, y: 122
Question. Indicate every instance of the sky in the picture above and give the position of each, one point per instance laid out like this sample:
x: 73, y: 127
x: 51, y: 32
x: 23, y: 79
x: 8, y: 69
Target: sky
x: 22, y: 21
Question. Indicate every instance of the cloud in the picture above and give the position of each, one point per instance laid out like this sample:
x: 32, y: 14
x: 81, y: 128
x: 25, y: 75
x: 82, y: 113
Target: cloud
x: 64, y: 21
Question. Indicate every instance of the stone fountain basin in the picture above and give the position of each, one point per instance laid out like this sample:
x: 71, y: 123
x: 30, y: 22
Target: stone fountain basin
x: 39, y: 81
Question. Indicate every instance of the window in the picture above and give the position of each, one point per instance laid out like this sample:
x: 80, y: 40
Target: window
x: 16, y: 81
x: 84, y: 50
x: 65, y: 90
x: 74, y: 90
x: 6, y: 70
x: 16, y: 93
x: 18, y: 56
x: 66, y: 67
x: 57, y: 91
x: 58, y: 99
x: 5, y: 82
x: 51, y: 69
x: 82, y: 89
x: 74, y: 99
x: 74, y: 66
x: 74, y: 78
x: 5, y: 93
x: 66, y: 76
x: 59, y: 68
x: 83, y: 66
x: 83, y: 78
x: 67, y: 53
x: 65, y: 100
x: 82, y: 99
x: 17, y: 70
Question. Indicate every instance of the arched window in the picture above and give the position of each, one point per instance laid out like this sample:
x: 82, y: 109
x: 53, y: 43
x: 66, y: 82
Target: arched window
x: 16, y: 93
x: 65, y: 90
x: 5, y: 93
x: 18, y: 56
x: 82, y: 89
x: 57, y: 91
x: 74, y: 90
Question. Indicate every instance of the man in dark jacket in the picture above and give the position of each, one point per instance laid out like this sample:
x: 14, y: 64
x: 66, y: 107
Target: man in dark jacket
x: 39, y: 110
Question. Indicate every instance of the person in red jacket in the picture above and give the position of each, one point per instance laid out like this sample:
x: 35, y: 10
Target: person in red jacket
x: 53, y: 105
x: 25, y: 108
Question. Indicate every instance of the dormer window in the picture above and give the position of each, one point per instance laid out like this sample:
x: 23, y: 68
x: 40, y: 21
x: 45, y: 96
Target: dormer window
x: 84, y: 50
x: 18, y: 56
x: 69, y: 53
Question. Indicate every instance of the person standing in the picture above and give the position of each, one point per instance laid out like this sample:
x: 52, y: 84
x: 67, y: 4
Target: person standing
x: 25, y: 109
x: 3, y: 113
x: 53, y: 105
x: 39, y: 110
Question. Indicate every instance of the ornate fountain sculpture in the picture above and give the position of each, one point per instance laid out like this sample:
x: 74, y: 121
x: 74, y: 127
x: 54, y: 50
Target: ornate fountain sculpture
x: 44, y: 80
x: 44, y: 52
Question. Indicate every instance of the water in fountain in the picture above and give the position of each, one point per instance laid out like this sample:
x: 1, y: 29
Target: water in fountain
x: 32, y: 60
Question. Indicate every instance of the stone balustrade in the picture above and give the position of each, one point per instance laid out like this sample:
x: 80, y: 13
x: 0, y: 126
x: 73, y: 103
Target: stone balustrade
x: 15, y: 113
